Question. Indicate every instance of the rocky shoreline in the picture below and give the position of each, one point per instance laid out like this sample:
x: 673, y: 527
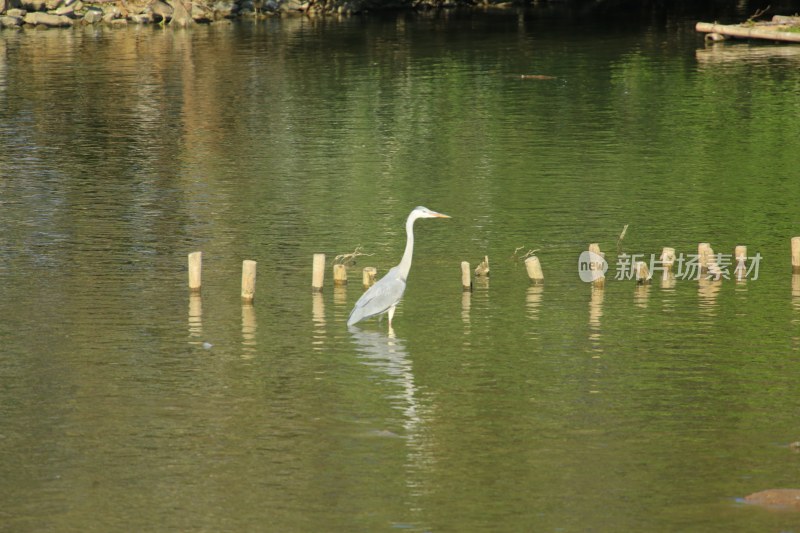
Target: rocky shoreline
x: 65, y: 13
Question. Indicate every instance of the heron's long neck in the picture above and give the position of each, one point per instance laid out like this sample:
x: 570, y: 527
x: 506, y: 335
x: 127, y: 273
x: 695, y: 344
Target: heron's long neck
x: 405, y: 262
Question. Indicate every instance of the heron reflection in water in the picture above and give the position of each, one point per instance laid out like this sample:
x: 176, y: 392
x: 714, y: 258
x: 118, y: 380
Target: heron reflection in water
x: 384, y: 296
x: 387, y: 354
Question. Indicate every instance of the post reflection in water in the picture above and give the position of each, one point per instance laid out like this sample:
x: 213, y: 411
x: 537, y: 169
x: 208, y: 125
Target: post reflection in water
x: 533, y: 304
x: 796, y: 308
x: 595, y: 314
x: 707, y: 292
x: 667, y: 279
x: 482, y: 283
x: 386, y: 354
x: 466, y: 303
x: 796, y: 292
x: 195, y: 319
x: 668, y: 291
x: 249, y: 327
x: 533, y: 301
x: 340, y: 308
x: 641, y: 294
x: 318, y: 318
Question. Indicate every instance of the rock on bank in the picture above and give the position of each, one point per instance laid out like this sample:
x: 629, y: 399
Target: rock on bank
x: 61, y: 13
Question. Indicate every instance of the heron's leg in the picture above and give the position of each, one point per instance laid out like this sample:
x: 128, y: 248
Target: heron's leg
x: 391, y: 314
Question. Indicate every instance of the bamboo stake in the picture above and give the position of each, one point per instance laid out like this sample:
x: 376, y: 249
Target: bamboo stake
x: 597, y: 266
x: 704, y: 254
x: 667, y: 259
x: 740, y: 256
x: 368, y: 276
x: 796, y: 255
x: 708, y: 261
x: 534, y: 268
x: 195, y: 271
x: 339, y: 274
x: 483, y: 268
x: 318, y: 272
x: 466, y: 276
x: 642, y: 272
x: 248, y: 281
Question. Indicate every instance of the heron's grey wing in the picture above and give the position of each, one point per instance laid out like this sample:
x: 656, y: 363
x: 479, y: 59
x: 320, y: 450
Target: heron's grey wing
x: 378, y: 298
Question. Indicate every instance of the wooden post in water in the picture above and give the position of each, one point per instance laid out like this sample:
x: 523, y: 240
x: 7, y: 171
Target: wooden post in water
x: 708, y: 261
x: 796, y: 255
x: 483, y: 268
x: 248, y: 281
x: 740, y: 256
x: 368, y: 276
x: 466, y: 276
x: 597, y: 266
x: 318, y: 272
x: 704, y: 254
x: 642, y: 272
x: 534, y: 268
x: 195, y: 271
x: 339, y: 275
x: 667, y: 259
x: 667, y: 263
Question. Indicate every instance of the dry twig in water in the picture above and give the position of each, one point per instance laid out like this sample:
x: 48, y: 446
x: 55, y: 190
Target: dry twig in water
x: 619, y: 240
x: 524, y: 256
x: 349, y: 259
x: 758, y: 14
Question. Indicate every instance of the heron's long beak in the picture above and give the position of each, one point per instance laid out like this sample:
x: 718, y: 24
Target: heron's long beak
x: 441, y: 215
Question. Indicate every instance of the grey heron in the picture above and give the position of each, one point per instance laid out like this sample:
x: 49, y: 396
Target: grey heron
x: 386, y: 293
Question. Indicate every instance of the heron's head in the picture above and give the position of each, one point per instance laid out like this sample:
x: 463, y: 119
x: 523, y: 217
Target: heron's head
x: 424, y: 212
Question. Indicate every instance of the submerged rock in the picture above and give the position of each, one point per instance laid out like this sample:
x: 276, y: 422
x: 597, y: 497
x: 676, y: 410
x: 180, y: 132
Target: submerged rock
x: 778, y: 498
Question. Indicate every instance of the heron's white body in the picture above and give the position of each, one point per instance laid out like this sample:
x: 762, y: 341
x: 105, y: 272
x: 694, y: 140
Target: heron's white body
x: 384, y: 296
